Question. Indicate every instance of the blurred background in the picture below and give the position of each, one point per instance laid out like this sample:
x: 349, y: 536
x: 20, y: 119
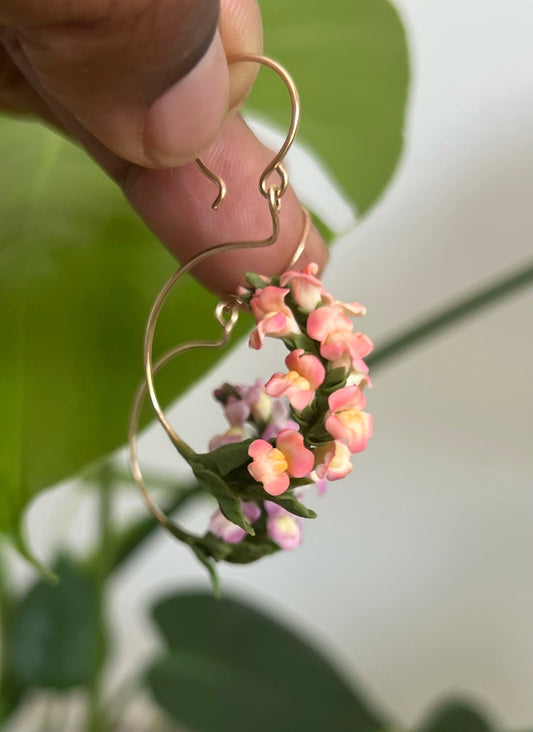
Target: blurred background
x: 416, y: 579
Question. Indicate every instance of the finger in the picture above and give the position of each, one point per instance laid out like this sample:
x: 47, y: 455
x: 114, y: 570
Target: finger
x: 148, y: 78
x: 241, y: 31
x: 176, y: 206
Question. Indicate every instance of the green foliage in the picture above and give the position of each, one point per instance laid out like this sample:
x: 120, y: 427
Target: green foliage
x: 349, y: 59
x: 77, y: 277
x: 456, y: 716
x: 51, y: 639
x: 230, y: 668
x: 227, y: 457
x: 228, y: 500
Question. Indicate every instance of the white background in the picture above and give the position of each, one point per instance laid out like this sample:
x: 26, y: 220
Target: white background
x: 417, y: 577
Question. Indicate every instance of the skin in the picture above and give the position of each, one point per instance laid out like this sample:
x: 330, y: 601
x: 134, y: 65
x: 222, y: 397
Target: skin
x: 144, y: 86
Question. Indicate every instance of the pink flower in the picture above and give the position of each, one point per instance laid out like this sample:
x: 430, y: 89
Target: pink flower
x: 351, y: 309
x: 257, y: 400
x: 236, y: 411
x: 272, y: 466
x: 332, y: 461
x: 234, y: 434
x: 306, y: 373
x: 222, y: 527
x: 346, y: 421
x: 272, y: 316
x: 334, y: 331
x: 306, y: 288
x: 279, y: 420
x: 283, y: 527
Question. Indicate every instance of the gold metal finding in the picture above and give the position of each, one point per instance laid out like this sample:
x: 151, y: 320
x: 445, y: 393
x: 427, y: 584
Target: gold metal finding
x: 227, y: 311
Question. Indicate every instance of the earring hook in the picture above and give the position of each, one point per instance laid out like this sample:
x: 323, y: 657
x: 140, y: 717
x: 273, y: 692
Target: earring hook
x: 275, y: 164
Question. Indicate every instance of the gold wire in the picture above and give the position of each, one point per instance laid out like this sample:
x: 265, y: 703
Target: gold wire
x: 275, y: 163
x: 227, y: 311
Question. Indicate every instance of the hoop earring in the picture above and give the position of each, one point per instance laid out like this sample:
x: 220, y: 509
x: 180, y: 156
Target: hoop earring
x: 247, y: 501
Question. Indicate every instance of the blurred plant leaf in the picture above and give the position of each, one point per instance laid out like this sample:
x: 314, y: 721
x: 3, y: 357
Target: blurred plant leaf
x: 51, y: 636
x: 78, y: 273
x: 231, y: 668
x: 456, y: 716
x: 349, y: 59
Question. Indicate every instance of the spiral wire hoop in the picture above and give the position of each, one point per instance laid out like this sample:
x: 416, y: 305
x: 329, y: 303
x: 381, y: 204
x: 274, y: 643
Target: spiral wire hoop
x: 227, y: 310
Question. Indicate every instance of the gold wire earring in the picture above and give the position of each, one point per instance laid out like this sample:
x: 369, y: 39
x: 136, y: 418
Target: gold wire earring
x: 256, y: 498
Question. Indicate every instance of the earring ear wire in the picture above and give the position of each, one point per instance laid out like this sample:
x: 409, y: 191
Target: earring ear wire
x: 275, y: 164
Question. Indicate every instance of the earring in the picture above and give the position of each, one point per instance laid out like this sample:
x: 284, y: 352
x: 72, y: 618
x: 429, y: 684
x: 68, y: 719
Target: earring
x: 298, y: 429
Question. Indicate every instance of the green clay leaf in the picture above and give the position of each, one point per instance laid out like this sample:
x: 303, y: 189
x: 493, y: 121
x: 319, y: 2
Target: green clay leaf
x: 228, y: 501
x: 227, y: 457
x: 203, y: 558
x: 300, y: 340
x: 334, y: 379
x: 256, y: 281
x: 251, y: 549
x: 290, y: 503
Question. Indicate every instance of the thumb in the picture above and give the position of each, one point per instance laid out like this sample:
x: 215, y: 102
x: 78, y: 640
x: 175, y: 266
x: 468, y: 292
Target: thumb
x: 148, y: 78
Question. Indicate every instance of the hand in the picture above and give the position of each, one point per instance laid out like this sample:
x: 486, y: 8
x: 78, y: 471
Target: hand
x: 144, y: 86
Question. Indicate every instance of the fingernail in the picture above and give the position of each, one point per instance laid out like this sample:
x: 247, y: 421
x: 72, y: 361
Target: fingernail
x: 187, y: 118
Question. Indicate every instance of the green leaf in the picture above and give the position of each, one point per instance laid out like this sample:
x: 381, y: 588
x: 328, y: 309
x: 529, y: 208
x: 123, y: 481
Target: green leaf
x: 456, y: 716
x: 299, y: 340
x: 251, y: 549
x: 349, y: 60
x: 334, y: 378
x: 229, y: 668
x: 78, y: 274
x: 229, y: 503
x: 256, y: 281
x: 290, y: 503
x: 51, y: 639
x: 227, y: 457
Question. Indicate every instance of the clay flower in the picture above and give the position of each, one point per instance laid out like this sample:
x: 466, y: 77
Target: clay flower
x: 306, y: 373
x: 273, y: 317
x: 283, y: 527
x: 351, y: 309
x: 222, y: 527
x: 334, y: 331
x: 306, y: 288
x: 279, y: 420
x: 254, y: 396
x: 234, y: 434
x: 332, y: 461
x: 346, y: 421
x: 273, y: 466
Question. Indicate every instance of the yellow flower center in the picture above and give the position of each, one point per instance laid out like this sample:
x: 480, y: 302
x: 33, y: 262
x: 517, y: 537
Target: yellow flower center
x: 350, y: 417
x: 278, y: 461
x: 297, y: 380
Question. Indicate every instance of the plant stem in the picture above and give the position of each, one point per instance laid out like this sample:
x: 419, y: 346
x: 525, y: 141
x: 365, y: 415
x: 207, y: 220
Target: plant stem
x: 428, y: 327
x: 96, y: 721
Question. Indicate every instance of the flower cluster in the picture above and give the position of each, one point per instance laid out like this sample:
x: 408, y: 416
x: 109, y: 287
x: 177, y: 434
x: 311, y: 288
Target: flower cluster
x: 305, y: 423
